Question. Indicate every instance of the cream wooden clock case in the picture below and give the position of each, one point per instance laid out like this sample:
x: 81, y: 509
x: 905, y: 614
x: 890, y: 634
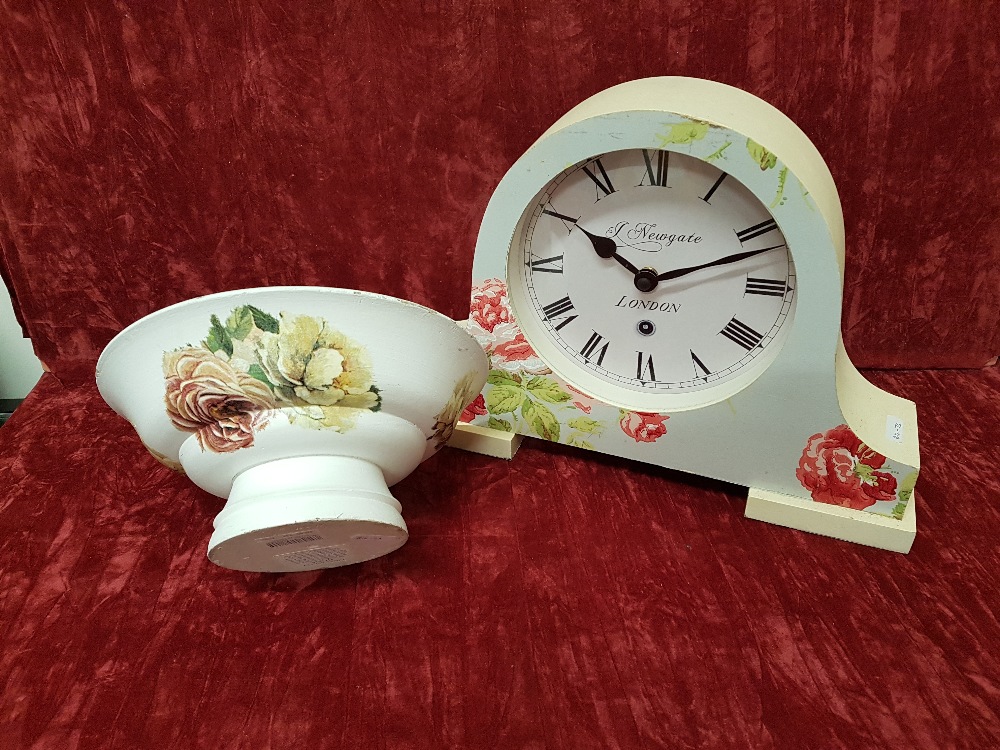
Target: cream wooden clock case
x: 660, y: 277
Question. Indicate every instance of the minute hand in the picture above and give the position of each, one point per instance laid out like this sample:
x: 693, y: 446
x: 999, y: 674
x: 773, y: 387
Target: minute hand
x: 677, y: 273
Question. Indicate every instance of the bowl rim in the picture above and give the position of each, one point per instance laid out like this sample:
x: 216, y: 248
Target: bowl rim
x: 117, y: 341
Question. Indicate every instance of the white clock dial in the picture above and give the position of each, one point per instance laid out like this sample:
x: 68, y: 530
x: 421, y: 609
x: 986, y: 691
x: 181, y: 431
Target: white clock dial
x: 660, y: 278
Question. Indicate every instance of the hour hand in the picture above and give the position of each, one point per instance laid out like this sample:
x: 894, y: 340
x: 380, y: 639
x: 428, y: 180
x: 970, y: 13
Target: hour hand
x: 606, y: 247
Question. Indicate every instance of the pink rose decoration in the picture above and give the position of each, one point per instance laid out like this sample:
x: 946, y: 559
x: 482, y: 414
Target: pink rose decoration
x: 207, y: 396
x: 838, y: 469
x: 476, y: 409
x: 643, y: 427
x: 231, y: 433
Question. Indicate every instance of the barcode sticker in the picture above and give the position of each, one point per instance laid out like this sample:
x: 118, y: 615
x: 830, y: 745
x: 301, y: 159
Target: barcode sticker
x: 335, y: 554
x: 894, y: 429
x: 298, y: 537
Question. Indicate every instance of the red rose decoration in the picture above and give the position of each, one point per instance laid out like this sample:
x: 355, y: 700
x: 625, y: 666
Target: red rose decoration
x: 490, y: 306
x: 581, y: 400
x: 515, y: 350
x: 838, y: 469
x: 643, y: 427
x: 475, y: 409
x: 880, y: 486
x: 846, y: 438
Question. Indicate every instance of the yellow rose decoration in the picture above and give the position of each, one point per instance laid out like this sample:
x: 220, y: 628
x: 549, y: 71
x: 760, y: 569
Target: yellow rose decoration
x: 312, y: 365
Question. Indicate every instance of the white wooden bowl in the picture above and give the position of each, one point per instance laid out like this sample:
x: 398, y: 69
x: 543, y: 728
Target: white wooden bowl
x: 302, y: 406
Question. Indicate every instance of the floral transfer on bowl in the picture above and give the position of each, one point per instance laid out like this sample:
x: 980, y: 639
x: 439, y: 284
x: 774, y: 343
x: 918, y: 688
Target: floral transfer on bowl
x: 224, y: 390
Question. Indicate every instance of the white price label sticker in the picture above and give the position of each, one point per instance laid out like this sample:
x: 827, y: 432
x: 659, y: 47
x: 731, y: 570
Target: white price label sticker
x: 894, y: 429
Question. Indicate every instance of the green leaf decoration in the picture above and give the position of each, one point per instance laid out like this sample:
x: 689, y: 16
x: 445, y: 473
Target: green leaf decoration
x: 265, y: 322
x: 547, y: 390
x: 257, y: 372
x: 499, y: 377
x: 684, y: 132
x: 779, y: 197
x: 503, y: 399
x: 496, y: 423
x: 540, y: 419
x: 906, y: 487
x: 587, y: 425
x: 575, y: 440
x: 761, y: 155
x: 218, y: 338
x: 805, y: 197
x: 865, y: 473
x: 240, y: 323
x: 717, y: 154
x: 898, y: 511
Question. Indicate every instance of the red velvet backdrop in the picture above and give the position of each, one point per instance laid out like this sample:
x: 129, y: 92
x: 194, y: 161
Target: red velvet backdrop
x: 156, y: 151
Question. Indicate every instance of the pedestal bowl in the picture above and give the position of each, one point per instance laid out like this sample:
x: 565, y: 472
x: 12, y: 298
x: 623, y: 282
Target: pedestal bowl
x: 301, y: 406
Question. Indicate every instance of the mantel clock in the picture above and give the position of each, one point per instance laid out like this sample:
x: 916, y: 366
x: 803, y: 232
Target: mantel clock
x: 660, y: 277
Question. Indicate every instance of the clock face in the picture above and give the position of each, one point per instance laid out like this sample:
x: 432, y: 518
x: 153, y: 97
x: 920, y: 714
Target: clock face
x: 652, y: 279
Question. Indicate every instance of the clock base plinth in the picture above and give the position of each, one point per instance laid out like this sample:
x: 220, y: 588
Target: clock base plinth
x: 485, y: 440
x: 856, y: 526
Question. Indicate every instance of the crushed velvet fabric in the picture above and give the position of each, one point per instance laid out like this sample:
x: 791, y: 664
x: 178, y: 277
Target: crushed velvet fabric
x: 159, y: 150
x: 555, y: 601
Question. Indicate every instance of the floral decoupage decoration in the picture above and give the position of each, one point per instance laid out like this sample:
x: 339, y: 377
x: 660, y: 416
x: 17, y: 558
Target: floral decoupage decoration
x: 447, y: 418
x: 226, y: 390
x: 522, y: 394
x: 690, y: 131
x: 838, y: 469
x: 643, y: 427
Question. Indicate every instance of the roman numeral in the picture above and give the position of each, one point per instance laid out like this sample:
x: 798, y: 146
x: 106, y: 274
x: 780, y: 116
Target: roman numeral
x: 603, y: 182
x: 742, y: 334
x: 756, y: 230
x: 766, y: 287
x: 568, y: 221
x: 547, y: 265
x: 656, y: 176
x: 711, y: 191
x: 643, y: 365
x: 699, y: 365
x: 593, y: 346
x: 558, y: 308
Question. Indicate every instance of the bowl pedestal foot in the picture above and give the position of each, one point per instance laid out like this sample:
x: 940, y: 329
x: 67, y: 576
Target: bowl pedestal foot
x: 304, y: 513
